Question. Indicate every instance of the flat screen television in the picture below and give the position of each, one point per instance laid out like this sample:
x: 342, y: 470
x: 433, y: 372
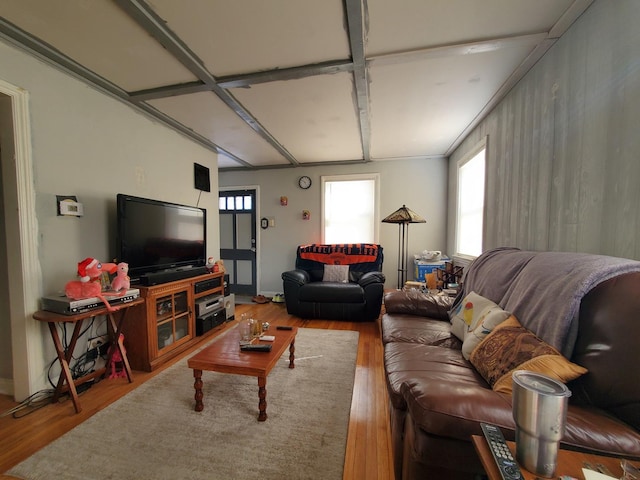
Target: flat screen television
x: 155, y: 236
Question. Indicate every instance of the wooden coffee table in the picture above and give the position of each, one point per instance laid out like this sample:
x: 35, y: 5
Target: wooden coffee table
x: 225, y: 356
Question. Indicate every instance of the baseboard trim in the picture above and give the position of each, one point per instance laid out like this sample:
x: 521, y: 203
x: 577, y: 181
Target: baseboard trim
x: 6, y: 386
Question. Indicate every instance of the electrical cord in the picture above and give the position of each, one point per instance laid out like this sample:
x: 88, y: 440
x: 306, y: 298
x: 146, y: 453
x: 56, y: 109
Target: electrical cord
x: 81, y: 366
x: 51, y: 364
x: 33, y: 403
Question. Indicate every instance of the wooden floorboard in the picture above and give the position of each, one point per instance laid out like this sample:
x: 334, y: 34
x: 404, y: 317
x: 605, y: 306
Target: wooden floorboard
x: 368, y: 451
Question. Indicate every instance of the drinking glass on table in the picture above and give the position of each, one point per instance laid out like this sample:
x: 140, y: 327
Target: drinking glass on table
x: 256, y: 328
x: 244, y: 328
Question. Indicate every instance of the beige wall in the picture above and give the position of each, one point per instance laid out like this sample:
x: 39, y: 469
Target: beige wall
x: 421, y: 184
x: 88, y: 144
x: 563, y: 151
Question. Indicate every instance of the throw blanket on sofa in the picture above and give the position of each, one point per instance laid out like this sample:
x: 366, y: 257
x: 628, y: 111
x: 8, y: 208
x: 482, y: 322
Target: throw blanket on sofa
x: 543, y: 289
x: 340, y: 254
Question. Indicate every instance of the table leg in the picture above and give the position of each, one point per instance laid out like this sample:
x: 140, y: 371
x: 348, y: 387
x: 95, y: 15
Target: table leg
x: 64, y: 357
x: 292, y: 351
x: 262, y: 396
x: 197, y: 374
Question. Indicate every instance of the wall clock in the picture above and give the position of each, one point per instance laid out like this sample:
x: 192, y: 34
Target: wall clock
x: 304, y: 182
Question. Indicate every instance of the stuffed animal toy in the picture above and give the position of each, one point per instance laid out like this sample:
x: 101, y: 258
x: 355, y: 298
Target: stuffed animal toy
x: 210, y: 264
x: 90, y: 270
x: 122, y: 282
x: 116, y: 360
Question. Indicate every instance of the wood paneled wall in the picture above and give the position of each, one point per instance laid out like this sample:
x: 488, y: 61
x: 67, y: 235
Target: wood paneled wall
x: 563, y: 148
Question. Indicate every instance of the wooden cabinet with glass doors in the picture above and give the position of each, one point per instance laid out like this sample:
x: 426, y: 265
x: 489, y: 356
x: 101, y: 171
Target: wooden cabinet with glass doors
x: 166, y: 326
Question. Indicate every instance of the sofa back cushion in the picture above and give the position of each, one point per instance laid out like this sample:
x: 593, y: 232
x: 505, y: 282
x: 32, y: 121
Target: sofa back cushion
x: 361, y: 258
x: 608, y: 345
x: 538, y: 286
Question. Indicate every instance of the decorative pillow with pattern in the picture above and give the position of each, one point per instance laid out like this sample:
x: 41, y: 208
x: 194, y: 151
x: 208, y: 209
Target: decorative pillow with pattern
x: 485, y: 325
x: 336, y: 273
x: 473, y: 319
x: 511, y: 347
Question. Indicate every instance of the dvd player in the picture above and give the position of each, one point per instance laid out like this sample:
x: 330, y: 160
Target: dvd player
x: 68, y: 306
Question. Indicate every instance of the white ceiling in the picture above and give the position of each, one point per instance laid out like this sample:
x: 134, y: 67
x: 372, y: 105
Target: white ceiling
x: 299, y: 82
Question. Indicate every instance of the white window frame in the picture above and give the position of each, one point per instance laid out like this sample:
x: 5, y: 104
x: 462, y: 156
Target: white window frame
x: 352, y: 177
x: 478, y: 148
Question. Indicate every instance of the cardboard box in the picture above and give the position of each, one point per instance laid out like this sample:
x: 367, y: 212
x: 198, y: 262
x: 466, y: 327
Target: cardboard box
x: 420, y: 270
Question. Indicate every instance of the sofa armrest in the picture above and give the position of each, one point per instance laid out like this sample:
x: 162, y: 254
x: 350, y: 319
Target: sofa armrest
x: 370, y: 278
x: 415, y: 302
x: 298, y: 277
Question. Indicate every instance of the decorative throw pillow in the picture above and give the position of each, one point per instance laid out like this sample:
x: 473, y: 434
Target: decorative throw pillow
x: 512, y: 347
x: 484, y: 326
x: 336, y: 273
x: 473, y: 319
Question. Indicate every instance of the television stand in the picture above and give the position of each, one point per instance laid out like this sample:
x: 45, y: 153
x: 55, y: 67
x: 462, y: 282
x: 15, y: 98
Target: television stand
x: 166, y: 325
x: 166, y: 276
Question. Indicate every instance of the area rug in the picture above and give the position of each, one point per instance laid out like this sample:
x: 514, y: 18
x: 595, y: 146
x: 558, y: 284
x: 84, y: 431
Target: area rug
x: 154, y: 433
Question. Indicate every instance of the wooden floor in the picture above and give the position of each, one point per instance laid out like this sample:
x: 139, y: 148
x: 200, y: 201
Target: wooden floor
x: 368, y: 452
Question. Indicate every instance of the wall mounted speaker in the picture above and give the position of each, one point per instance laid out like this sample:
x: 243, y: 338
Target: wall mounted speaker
x: 230, y: 306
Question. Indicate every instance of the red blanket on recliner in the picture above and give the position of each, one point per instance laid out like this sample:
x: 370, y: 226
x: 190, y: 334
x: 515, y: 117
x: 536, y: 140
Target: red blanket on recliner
x: 340, y: 254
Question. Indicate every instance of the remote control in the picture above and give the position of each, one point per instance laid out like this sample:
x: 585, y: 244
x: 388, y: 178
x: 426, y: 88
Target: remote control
x: 284, y: 327
x: 261, y: 347
x: 508, y: 467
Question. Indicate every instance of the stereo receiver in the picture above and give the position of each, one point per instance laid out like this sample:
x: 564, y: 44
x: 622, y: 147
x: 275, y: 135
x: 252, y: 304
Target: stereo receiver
x: 209, y: 304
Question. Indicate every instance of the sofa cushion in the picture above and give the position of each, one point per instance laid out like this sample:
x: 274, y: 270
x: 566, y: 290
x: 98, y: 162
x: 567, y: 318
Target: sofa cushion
x: 473, y: 319
x: 417, y: 363
x: 336, y: 273
x: 322, y: 292
x: 416, y: 302
x: 512, y: 347
x: 399, y: 327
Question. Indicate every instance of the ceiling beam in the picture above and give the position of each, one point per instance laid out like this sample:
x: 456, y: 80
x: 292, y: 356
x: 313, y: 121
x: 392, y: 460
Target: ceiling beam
x: 18, y: 37
x: 169, y: 91
x: 172, y: 122
x: 57, y: 59
x: 358, y: 161
x: 577, y: 8
x: 155, y: 26
x: 246, y: 80
x: 280, y: 74
x: 356, y: 29
x: 142, y: 14
x: 54, y: 57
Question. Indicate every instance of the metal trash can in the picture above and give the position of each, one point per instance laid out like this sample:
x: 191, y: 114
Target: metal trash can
x: 540, y: 412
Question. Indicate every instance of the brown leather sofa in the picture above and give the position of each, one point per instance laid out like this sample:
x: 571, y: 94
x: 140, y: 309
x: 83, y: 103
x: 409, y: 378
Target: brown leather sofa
x: 438, y: 399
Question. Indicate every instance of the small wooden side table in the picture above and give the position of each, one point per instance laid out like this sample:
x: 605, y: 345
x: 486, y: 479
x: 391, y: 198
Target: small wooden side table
x: 115, y: 320
x: 569, y: 462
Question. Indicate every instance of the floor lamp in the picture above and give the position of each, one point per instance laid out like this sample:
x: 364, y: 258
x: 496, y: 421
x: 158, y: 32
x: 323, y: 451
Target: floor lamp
x: 403, y: 217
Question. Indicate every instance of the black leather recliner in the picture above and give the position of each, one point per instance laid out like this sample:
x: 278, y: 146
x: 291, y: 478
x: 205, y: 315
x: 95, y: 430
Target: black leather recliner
x: 359, y: 299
